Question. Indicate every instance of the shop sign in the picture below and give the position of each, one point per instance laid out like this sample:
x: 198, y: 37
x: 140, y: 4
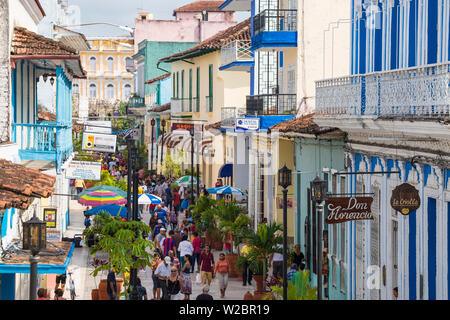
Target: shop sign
x: 50, y: 217
x: 53, y: 235
x: 98, y: 127
x: 86, y: 170
x: 349, y: 209
x: 181, y: 126
x: 247, y: 124
x: 405, y: 199
x: 99, y: 142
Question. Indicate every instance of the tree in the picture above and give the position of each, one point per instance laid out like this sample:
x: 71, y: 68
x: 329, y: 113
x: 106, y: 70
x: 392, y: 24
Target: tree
x: 124, y: 243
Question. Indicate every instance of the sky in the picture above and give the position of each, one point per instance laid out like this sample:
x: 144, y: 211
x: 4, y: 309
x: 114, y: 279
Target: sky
x: 123, y: 12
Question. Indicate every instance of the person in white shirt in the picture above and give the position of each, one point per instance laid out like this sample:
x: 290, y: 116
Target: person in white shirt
x: 181, y: 192
x: 185, y: 247
x: 162, y: 273
x: 277, y: 259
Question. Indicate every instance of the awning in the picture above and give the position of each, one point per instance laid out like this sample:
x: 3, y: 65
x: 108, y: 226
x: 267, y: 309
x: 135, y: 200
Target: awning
x: 226, y: 171
x: 48, y: 264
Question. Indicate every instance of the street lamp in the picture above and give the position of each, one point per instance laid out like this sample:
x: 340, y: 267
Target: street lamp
x: 152, y: 122
x: 34, y: 239
x: 284, y: 181
x: 318, y: 195
x: 163, y: 125
x: 192, y: 132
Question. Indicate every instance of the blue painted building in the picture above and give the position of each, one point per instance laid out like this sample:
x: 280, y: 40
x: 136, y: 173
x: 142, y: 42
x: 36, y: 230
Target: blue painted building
x: 392, y: 107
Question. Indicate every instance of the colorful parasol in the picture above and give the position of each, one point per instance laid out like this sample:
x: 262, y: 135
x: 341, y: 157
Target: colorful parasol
x: 147, y: 198
x: 225, y: 190
x: 102, y: 195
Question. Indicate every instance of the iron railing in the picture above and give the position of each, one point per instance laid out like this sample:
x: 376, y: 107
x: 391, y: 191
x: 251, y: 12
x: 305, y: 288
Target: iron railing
x: 275, y: 20
x: 236, y: 51
x: 136, y: 101
x: 179, y: 105
x: 420, y: 91
x: 208, y: 104
x: 272, y: 104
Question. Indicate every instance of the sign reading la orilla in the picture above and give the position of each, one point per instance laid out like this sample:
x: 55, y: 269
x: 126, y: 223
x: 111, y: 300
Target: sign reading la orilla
x: 348, y: 209
x: 86, y: 170
x: 405, y: 199
x: 99, y: 142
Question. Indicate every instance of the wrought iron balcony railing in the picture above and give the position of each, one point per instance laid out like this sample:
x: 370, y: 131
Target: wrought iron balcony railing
x: 181, y: 105
x: 208, y: 104
x: 272, y: 104
x: 275, y: 20
x: 229, y: 115
x: 415, y: 92
x: 136, y: 102
x: 236, y: 51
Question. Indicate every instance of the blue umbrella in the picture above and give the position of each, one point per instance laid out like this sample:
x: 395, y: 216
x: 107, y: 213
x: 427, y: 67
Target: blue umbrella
x: 113, y: 209
x: 147, y: 198
x: 225, y: 190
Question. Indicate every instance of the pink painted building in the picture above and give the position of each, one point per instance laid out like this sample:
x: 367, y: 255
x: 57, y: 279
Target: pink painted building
x: 193, y: 22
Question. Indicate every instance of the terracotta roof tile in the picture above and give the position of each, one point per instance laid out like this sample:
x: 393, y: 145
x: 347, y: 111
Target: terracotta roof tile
x: 216, y: 125
x: 46, y: 116
x: 240, y: 31
x: 162, y: 108
x: 164, y: 76
x: 26, y: 42
x: 18, y: 184
x: 199, y: 6
x: 304, y: 124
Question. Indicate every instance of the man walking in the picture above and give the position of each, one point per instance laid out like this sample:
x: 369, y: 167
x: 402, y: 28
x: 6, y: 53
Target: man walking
x: 163, y: 273
x: 206, y: 265
x: 111, y: 285
x: 168, y: 244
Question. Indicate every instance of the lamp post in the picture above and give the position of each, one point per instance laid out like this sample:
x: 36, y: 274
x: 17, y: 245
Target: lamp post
x: 318, y: 194
x: 130, y: 145
x: 152, y: 122
x: 34, y: 239
x: 285, y: 180
x: 163, y: 125
x: 192, y: 132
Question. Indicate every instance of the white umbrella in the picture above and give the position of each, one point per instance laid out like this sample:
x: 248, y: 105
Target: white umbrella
x: 147, y: 198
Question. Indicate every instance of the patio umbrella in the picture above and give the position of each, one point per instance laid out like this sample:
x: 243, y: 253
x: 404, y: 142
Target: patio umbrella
x: 147, y: 198
x: 113, y: 209
x: 186, y: 181
x: 102, y: 195
x: 225, y: 190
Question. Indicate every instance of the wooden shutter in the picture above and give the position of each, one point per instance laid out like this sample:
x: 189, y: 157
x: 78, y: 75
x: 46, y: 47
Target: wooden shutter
x: 198, y: 90
x: 210, y: 88
x: 190, y: 90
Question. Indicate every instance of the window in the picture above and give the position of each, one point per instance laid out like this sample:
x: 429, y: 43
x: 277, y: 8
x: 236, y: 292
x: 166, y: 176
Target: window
x: 342, y: 245
x: 210, y: 88
x: 178, y: 85
x: 190, y: 90
x: 198, y: 90
x: 129, y: 63
x: 75, y: 88
x: 126, y: 91
x: 174, y: 89
x: 92, y: 90
x: 110, y: 63
x: 110, y: 91
x: 93, y: 63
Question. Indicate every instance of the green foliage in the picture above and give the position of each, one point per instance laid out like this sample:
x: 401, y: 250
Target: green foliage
x: 202, y: 204
x: 108, y: 180
x: 171, y: 168
x: 124, y: 243
x: 295, y: 291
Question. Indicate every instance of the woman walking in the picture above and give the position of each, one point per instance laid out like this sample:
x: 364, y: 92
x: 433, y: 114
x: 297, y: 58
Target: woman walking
x: 222, y: 270
x: 186, y: 277
x: 174, y: 284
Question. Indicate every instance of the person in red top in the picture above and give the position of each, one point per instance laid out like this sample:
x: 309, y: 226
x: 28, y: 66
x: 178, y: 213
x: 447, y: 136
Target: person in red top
x: 196, y: 243
x: 176, y: 200
x: 222, y: 270
x: 206, y: 265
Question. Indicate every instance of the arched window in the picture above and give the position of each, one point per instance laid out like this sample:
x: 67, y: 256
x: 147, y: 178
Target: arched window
x: 92, y: 90
x: 110, y: 63
x: 128, y: 62
x: 126, y: 91
x: 93, y: 63
x: 110, y: 91
x: 75, y: 88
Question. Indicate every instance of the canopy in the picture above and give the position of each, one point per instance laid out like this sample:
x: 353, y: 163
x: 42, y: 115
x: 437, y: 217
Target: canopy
x: 112, y: 209
x: 226, y: 171
x: 225, y: 190
x: 147, y: 198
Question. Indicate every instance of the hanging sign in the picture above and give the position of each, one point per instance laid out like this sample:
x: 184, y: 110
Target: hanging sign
x: 405, y: 199
x: 349, y: 209
x: 50, y: 217
x: 86, y: 170
x: 247, y: 124
x: 99, y: 142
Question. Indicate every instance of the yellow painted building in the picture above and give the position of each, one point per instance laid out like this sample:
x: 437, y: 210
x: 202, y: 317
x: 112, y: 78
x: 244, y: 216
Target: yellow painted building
x: 108, y: 82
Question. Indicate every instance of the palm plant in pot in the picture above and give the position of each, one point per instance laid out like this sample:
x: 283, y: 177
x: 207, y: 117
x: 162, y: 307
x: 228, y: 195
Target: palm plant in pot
x: 263, y: 242
x: 232, y: 223
x: 202, y: 219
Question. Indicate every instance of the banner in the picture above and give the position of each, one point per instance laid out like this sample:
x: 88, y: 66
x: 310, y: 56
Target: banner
x: 348, y: 209
x: 405, y: 199
x: 99, y: 142
x: 84, y: 170
x: 50, y: 217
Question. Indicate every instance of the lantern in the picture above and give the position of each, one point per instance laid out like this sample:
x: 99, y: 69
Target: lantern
x: 153, y: 122
x: 52, y: 81
x: 284, y: 177
x: 34, y: 235
x: 318, y: 189
x: 192, y: 131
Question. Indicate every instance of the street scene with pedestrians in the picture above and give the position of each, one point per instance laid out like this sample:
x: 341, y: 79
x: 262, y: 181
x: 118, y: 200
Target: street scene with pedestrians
x: 252, y: 150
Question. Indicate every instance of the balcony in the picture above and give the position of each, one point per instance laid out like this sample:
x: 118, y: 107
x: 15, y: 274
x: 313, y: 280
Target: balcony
x: 420, y: 92
x: 275, y: 29
x: 208, y: 104
x: 181, y: 105
x: 44, y: 141
x: 236, y: 56
x: 272, y: 104
x: 229, y: 115
x: 136, y: 102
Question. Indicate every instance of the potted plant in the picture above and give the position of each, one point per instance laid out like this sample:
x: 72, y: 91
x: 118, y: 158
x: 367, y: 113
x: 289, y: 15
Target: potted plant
x: 298, y: 289
x: 232, y: 223
x: 124, y: 244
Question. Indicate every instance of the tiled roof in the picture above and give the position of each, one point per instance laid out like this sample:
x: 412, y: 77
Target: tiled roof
x: 18, y: 184
x: 26, y: 42
x: 216, y: 125
x: 46, y: 116
x: 199, y: 6
x: 162, y: 108
x: 240, y: 31
x: 304, y: 124
x: 164, y: 76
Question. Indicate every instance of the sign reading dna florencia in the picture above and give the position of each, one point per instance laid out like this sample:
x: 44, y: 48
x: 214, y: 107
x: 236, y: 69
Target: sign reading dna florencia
x: 349, y: 209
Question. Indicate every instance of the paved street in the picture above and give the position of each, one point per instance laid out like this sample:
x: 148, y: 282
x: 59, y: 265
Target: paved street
x: 85, y: 282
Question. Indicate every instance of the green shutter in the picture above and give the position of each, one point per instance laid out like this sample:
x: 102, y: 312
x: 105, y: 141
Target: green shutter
x: 198, y: 90
x: 190, y: 90
x: 173, y: 85
x: 178, y: 85
x: 210, y: 88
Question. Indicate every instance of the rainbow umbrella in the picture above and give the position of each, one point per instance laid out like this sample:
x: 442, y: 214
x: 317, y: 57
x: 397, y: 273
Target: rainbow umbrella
x: 102, y: 195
